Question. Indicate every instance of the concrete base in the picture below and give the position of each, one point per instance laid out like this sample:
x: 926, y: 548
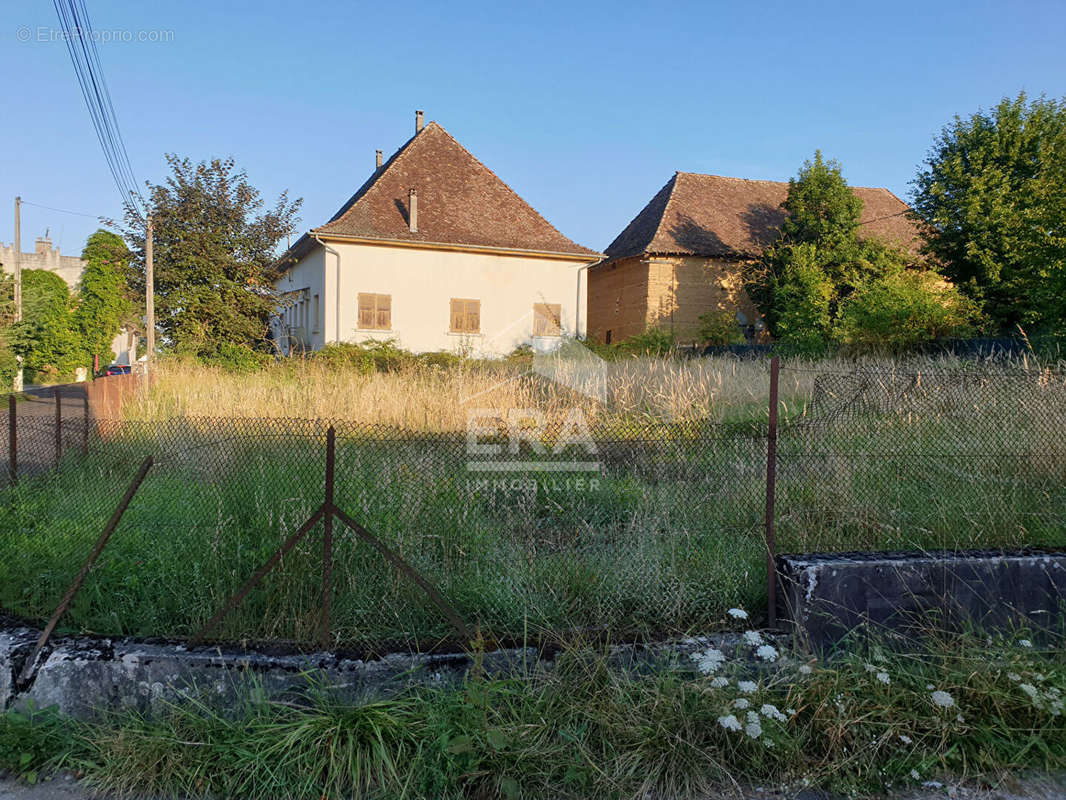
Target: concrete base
x: 828, y: 596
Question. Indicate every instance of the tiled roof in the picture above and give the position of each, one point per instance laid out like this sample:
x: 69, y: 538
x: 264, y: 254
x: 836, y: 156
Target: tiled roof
x: 460, y: 202
x: 710, y: 215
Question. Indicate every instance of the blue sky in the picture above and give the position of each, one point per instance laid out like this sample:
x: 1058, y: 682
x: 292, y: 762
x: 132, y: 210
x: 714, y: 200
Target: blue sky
x: 585, y: 109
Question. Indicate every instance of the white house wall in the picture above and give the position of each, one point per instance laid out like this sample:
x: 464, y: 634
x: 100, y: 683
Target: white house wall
x: 422, y: 283
x: 307, y: 278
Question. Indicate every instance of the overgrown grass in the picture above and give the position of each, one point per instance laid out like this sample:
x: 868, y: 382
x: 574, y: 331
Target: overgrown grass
x: 669, y: 538
x: 968, y: 708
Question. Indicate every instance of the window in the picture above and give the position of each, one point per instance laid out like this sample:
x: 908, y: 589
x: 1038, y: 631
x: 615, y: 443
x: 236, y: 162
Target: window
x: 607, y: 338
x: 316, y: 317
x: 466, y: 316
x: 375, y: 312
x: 547, y: 319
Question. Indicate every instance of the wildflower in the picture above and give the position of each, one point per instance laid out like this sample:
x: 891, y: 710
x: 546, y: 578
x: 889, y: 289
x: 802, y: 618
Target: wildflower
x: 730, y: 723
x: 883, y: 677
x: 747, y: 687
x: 960, y: 719
x: 766, y: 653
x: 930, y: 687
x: 709, y: 660
x: 805, y: 669
x: 870, y: 667
x: 932, y: 785
x: 1014, y: 676
x: 790, y: 711
x: 737, y: 613
x: 915, y: 775
x: 905, y: 739
x: 770, y: 712
x: 754, y: 638
x: 942, y: 699
x: 719, y: 682
x: 741, y: 703
x: 1025, y: 643
x: 754, y: 726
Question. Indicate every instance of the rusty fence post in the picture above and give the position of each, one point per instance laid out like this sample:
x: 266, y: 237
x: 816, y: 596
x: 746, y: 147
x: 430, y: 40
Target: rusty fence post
x: 771, y: 488
x: 98, y: 548
x: 85, y: 425
x: 59, y: 426
x: 12, y: 441
x: 327, y: 541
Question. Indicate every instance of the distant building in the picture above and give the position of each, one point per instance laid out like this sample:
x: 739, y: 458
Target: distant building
x: 69, y: 268
x: 684, y: 255
x: 435, y: 252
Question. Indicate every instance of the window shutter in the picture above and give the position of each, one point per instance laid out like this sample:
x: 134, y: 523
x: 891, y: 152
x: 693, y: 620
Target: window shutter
x: 384, y: 309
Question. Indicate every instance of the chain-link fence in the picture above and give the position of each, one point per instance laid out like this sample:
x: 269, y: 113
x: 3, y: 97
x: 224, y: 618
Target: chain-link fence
x: 521, y: 532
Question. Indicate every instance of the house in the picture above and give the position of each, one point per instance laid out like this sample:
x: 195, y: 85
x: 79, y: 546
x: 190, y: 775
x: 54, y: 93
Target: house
x: 437, y: 253
x: 684, y: 254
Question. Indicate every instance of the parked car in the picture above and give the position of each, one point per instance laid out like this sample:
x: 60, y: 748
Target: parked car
x: 118, y: 369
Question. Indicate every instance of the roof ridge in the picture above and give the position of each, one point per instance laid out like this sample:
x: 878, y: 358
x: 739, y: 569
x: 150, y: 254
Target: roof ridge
x: 505, y: 184
x: 672, y: 183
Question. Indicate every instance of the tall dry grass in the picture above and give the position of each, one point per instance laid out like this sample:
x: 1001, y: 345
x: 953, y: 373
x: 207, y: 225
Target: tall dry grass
x: 427, y: 398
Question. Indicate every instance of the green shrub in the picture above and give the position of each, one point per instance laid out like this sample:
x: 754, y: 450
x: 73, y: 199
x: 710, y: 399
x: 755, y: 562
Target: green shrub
x: 801, y: 298
x: 719, y: 328
x: 652, y: 342
x: 238, y: 358
x: 902, y: 310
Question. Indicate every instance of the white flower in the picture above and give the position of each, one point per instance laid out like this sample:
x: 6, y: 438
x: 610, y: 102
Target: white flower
x: 747, y: 687
x: 960, y: 719
x: 915, y: 775
x: 766, y: 653
x: 932, y: 785
x: 1033, y: 692
x: 754, y: 638
x: 741, y: 703
x: 754, y: 726
x: 930, y: 687
x: 719, y: 682
x: 905, y: 739
x: 870, y: 668
x: 790, y: 711
x: 737, y: 613
x: 770, y: 712
x: 730, y: 723
x: 1014, y: 676
x: 709, y: 660
x: 942, y: 699
x: 1025, y: 643
x: 805, y: 669
x: 883, y: 677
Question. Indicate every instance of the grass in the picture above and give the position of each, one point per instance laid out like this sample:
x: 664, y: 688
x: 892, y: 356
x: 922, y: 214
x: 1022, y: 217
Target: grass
x: 669, y: 538
x: 584, y: 726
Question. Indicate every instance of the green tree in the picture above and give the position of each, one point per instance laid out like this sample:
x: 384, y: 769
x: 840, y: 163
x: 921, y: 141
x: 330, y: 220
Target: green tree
x: 802, y: 295
x: 992, y: 193
x: 103, y: 306
x: 214, y: 249
x: 46, y: 338
x: 904, y: 309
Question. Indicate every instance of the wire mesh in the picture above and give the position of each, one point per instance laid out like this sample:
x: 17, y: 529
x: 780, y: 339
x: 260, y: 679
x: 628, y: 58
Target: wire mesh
x: 642, y: 529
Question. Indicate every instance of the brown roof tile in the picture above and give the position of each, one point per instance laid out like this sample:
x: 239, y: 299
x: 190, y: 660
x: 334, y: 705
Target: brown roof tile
x: 710, y: 215
x: 460, y: 202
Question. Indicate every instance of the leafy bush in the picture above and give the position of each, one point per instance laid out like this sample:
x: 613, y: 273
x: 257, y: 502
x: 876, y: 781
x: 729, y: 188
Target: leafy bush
x: 720, y: 328
x: 653, y: 342
x: 46, y: 338
x: 902, y: 310
x: 801, y: 298
x: 238, y: 358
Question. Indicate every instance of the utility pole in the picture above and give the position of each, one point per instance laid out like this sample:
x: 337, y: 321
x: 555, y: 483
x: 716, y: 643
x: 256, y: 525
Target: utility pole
x: 149, y: 297
x: 18, y: 283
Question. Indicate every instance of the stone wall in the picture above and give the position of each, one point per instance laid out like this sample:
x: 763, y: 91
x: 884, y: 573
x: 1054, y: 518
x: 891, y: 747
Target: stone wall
x: 617, y: 299
x: 44, y: 256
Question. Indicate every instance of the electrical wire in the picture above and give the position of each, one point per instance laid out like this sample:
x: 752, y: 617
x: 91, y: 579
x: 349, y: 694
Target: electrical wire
x: 85, y: 58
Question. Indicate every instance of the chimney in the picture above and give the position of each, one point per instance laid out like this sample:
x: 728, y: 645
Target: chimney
x: 412, y: 209
x: 418, y: 121
x: 378, y: 158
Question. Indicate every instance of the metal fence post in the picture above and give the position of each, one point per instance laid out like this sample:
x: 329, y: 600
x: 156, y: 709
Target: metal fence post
x: 59, y: 426
x: 12, y: 441
x: 771, y: 487
x: 85, y: 426
x: 327, y: 541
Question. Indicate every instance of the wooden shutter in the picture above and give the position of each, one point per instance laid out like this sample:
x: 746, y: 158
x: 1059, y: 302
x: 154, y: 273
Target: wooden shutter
x: 465, y: 316
x: 547, y: 319
x: 375, y: 311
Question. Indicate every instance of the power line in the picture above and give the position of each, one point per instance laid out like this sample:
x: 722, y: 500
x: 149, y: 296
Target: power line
x: 85, y: 58
x: 65, y: 211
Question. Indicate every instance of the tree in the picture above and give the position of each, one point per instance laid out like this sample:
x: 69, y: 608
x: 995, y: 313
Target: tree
x: 47, y: 339
x: 993, y: 196
x: 214, y: 249
x: 904, y: 309
x: 819, y: 259
x: 103, y: 306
